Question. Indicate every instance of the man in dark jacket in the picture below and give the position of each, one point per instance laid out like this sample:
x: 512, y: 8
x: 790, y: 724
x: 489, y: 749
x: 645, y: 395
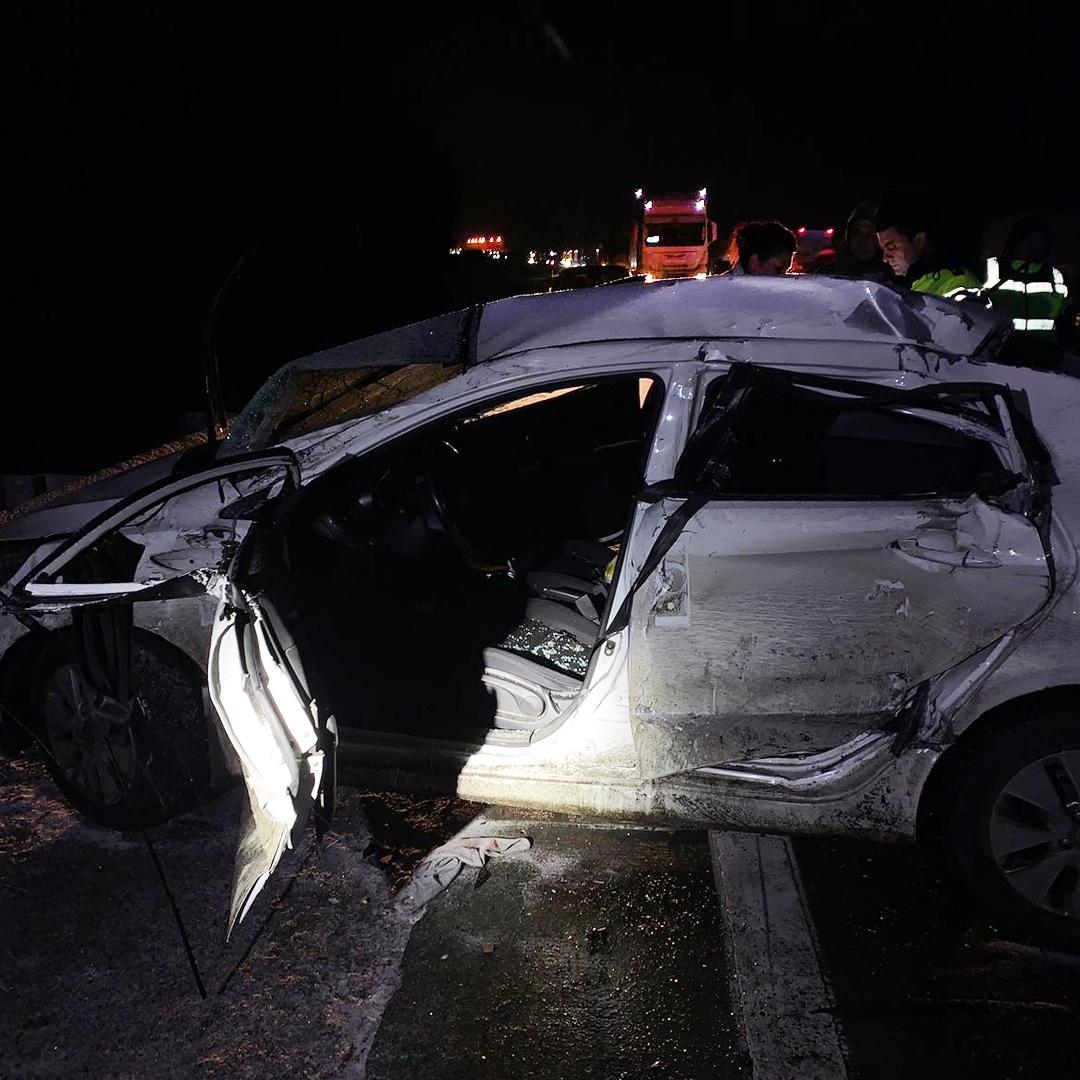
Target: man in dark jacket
x: 906, y: 229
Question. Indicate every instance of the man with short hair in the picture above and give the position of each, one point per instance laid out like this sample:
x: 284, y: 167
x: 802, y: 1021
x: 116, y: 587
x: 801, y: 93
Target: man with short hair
x: 761, y: 249
x: 905, y: 228
x: 857, y: 253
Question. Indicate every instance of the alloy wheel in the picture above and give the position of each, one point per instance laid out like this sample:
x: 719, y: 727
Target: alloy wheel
x: 1035, y: 833
x: 89, y: 736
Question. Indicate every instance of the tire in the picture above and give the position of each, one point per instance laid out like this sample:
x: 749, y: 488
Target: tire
x: 1014, y: 827
x: 18, y: 696
x: 126, y: 767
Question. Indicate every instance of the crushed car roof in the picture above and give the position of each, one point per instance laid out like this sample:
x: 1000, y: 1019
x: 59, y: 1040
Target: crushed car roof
x: 794, y: 308
x: 718, y: 308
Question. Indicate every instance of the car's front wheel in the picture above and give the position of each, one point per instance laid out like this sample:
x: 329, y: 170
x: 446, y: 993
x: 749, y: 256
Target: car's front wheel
x: 1014, y: 828
x: 132, y: 763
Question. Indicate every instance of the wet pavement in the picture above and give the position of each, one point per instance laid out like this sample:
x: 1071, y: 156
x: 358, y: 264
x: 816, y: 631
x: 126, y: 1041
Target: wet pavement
x: 925, y: 985
x: 598, y: 953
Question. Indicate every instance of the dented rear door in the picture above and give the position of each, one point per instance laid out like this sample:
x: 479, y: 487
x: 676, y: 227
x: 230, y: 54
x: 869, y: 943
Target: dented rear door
x: 769, y: 622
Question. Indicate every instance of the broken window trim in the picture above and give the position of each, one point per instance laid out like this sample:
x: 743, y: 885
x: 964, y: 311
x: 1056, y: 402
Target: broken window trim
x: 999, y: 435
x: 1005, y: 424
x: 876, y: 393
x: 982, y: 431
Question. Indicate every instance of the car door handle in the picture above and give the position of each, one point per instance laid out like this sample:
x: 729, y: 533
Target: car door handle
x: 961, y: 556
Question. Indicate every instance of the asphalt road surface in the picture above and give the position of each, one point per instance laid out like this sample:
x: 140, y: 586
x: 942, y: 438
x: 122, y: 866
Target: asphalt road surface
x: 600, y: 952
x: 925, y: 985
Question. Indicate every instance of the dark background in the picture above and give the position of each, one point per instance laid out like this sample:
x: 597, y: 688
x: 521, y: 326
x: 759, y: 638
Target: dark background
x: 149, y: 147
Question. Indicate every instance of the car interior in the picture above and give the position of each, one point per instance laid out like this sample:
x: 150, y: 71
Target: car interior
x: 453, y: 582
x: 797, y: 442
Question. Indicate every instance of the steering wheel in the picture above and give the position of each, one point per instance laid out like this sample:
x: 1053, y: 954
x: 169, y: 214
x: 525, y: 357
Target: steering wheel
x: 441, y: 478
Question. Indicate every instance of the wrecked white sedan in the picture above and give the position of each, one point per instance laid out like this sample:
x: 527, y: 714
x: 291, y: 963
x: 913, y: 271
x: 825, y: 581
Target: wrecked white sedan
x: 784, y: 554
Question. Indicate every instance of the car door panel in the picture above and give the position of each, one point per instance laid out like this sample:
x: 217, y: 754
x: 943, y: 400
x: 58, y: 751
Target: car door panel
x: 273, y: 723
x: 788, y: 625
x: 763, y: 616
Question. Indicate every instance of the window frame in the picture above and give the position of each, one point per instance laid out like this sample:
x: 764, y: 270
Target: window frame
x: 996, y: 424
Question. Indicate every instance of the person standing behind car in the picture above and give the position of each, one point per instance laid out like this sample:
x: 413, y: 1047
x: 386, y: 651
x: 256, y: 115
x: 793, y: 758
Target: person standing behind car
x: 1024, y: 283
x: 858, y: 254
x: 906, y: 229
x: 760, y: 248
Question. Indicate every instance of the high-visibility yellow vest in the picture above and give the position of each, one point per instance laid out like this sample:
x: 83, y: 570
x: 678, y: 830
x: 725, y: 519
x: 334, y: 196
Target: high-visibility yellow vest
x: 951, y: 283
x: 1034, y: 294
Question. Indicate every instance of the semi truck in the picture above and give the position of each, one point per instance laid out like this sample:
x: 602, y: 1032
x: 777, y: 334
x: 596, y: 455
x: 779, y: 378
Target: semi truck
x: 671, y: 235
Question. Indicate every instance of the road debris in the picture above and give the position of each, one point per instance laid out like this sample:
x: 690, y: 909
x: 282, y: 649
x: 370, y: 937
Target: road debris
x: 441, y: 866
x: 597, y: 938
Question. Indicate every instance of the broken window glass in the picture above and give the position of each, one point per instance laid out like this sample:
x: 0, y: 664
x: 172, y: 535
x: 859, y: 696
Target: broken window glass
x: 356, y: 379
x: 785, y: 440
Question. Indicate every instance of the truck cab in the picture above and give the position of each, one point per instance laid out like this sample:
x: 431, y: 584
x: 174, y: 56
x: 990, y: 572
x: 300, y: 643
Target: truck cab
x: 672, y: 236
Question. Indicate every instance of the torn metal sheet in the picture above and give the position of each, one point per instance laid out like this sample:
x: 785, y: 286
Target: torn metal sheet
x: 158, y: 541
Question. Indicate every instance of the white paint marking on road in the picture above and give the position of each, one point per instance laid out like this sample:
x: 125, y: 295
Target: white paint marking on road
x: 786, y: 1005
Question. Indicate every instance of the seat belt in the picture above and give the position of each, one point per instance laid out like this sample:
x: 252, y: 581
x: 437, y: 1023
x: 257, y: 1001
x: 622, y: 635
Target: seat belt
x: 671, y: 532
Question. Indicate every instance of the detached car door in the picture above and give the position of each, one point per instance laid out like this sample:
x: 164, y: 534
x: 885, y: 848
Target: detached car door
x: 824, y: 548
x: 179, y: 538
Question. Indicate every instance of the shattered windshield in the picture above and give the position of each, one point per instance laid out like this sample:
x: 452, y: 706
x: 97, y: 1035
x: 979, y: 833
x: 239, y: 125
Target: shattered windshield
x: 354, y: 380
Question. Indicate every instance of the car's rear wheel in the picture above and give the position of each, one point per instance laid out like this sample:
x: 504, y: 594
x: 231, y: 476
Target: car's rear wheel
x: 132, y: 763
x: 1014, y: 828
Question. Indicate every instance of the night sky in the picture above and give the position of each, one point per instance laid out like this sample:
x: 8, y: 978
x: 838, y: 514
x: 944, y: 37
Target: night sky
x: 151, y: 146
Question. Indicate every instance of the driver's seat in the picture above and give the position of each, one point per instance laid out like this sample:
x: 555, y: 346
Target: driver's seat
x: 537, y: 669
x: 528, y: 695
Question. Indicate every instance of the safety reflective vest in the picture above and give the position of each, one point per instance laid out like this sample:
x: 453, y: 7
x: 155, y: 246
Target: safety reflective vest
x: 952, y: 283
x: 1034, y: 294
